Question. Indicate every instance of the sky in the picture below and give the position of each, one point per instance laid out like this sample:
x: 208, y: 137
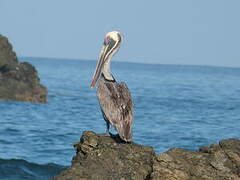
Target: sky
x: 205, y: 32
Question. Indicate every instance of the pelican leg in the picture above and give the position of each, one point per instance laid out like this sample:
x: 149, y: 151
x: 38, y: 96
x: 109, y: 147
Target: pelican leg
x: 107, y: 129
x: 107, y: 124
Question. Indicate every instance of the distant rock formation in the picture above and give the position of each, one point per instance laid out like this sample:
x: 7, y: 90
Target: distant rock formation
x: 19, y: 81
x: 103, y: 158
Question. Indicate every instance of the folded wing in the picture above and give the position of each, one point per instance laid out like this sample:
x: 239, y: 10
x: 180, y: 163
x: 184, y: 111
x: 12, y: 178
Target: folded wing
x: 116, y: 104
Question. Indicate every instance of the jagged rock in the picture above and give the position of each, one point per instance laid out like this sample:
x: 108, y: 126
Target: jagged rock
x: 101, y: 157
x: 107, y: 158
x: 216, y: 162
x: 19, y: 81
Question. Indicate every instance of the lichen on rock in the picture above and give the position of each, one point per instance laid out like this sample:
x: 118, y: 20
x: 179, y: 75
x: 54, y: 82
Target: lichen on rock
x: 19, y: 81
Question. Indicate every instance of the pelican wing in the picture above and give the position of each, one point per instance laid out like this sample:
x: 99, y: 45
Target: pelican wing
x: 116, y: 104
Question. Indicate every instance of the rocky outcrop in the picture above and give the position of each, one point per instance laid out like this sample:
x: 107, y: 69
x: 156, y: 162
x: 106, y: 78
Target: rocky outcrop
x: 216, y: 162
x: 107, y: 158
x: 101, y: 157
x: 19, y: 81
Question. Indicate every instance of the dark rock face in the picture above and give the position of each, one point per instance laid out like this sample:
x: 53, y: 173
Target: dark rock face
x: 106, y: 158
x: 18, y: 81
x: 100, y: 157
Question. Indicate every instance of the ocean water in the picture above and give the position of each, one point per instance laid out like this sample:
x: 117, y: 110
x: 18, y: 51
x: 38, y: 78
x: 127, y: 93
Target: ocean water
x: 175, y: 106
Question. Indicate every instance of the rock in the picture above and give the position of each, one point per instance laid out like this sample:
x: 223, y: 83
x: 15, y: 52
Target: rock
x: 104, y: 158
x: 101, y: 157
x: 19, y: 81
x: 216, y: 162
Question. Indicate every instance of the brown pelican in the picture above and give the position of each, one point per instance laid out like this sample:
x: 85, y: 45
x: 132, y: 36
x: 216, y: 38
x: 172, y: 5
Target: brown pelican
x: 114, y: 98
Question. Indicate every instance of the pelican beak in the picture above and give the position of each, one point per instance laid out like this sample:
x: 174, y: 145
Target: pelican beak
x: 99, y: 66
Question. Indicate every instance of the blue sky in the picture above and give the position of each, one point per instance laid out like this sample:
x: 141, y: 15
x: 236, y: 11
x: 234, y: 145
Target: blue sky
x: 203, y: 32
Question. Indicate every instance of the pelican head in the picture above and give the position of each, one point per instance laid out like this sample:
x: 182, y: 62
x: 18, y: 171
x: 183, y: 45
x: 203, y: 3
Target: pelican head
x: 111, y: 45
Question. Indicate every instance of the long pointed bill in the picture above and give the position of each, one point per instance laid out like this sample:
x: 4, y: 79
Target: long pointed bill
x: 99, y: 66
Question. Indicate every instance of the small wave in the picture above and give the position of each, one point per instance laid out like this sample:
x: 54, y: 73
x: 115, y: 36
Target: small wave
x: 18, y: 169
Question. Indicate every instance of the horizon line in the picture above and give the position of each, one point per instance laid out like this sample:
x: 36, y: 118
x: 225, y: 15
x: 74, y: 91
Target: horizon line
x: 133, y: 62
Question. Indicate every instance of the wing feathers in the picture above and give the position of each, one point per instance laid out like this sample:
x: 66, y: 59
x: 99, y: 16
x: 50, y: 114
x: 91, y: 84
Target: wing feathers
x: 116, y: 104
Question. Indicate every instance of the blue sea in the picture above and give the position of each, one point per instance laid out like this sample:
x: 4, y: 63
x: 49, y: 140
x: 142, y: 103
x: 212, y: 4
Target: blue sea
x: 175, y: 106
